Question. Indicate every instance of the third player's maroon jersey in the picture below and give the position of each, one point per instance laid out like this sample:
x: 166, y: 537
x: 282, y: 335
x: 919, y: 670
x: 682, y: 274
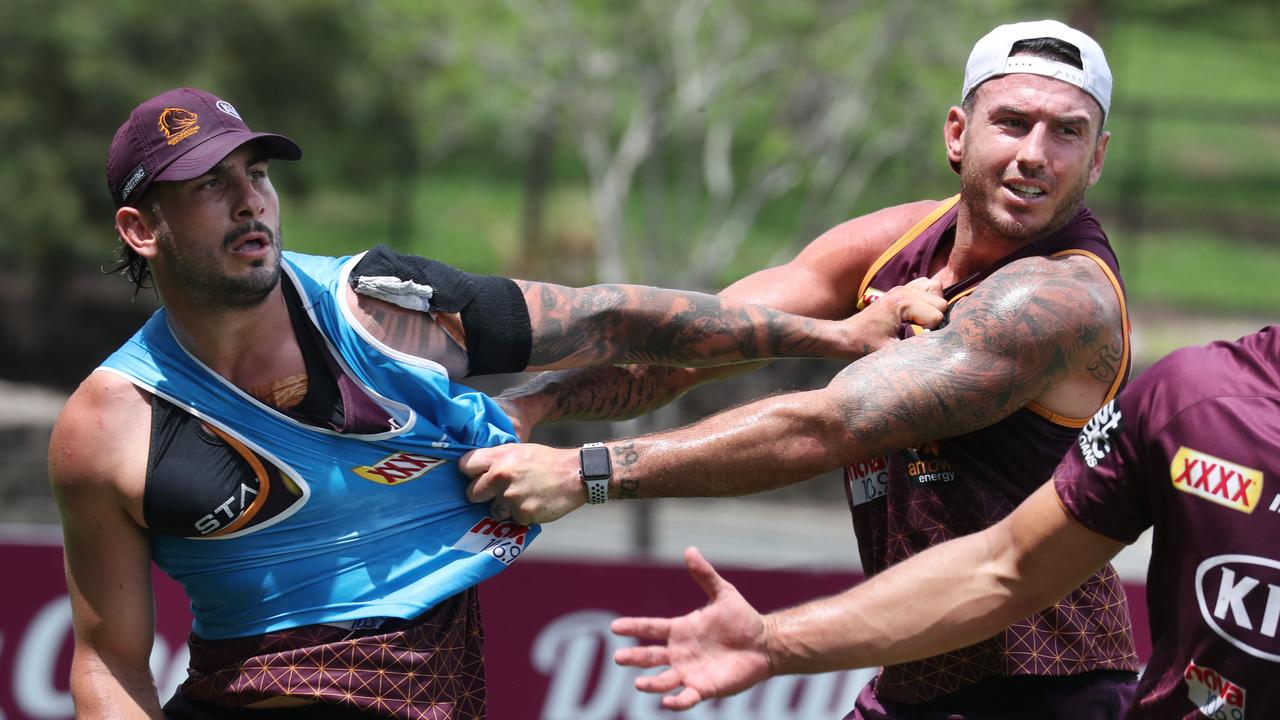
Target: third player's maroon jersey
x: 919, y: 497
x: 1193, y: 447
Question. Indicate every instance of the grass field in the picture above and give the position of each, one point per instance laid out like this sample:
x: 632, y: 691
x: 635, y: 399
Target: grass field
x: 1200, y: 272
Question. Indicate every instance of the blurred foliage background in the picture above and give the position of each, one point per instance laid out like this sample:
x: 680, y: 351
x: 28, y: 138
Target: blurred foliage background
x: 672, y: 142
x: 682, y: 143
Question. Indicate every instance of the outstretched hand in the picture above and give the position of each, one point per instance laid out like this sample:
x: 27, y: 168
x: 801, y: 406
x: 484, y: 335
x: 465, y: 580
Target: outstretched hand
x: 716, y: 651
x: 919, y: 302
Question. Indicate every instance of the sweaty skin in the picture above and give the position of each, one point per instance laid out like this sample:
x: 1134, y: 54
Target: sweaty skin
x: 1044, y: 330
x: 1033, y: 327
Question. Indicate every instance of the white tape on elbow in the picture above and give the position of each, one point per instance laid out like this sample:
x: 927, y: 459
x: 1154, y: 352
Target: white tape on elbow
x: 405, y: 293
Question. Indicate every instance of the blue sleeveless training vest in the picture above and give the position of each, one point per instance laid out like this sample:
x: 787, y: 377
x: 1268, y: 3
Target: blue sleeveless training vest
x: 383, y: 528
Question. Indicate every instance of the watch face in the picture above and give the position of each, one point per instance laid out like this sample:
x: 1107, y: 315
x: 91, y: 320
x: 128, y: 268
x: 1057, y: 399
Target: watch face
x: 595, y: 462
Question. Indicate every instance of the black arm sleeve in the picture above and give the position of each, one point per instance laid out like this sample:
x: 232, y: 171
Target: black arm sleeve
x: 494, y: 314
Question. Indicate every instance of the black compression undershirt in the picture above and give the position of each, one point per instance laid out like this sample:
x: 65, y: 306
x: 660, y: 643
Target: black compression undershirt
x: 198, y: 484
x: 322, y: 404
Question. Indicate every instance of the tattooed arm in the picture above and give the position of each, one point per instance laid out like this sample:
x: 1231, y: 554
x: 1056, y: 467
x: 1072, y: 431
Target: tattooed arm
x: 604, y: 324
x: 820, y: 282
x: 623, y: 391
x: 604, y: 392
x: 1036, y: 325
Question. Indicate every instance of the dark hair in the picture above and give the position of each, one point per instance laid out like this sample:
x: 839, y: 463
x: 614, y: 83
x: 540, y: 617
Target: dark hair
x: 1047, y: 48
x: 129, y: 263
x: 132, y: 266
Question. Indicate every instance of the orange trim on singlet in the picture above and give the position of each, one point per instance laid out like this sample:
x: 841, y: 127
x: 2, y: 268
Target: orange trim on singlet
x: 902, y: 242
x: 1041, y: 410
x: 926, y: 222
x: 264, y: 483
x: 1063, y: 420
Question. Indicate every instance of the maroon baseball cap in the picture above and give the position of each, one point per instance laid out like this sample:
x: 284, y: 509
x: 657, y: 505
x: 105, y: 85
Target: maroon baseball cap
x: 178, y: 135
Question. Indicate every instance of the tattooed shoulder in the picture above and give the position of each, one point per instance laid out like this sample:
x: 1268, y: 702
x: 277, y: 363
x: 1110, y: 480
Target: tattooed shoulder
x: 1063, y: 313
x: 1025, y: 330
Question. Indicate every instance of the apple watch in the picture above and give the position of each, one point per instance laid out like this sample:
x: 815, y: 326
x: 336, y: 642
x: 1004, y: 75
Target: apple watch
x: 596, y: 471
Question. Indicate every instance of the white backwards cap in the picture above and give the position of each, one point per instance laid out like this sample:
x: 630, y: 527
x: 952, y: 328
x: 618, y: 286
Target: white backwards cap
x: 990, y: 58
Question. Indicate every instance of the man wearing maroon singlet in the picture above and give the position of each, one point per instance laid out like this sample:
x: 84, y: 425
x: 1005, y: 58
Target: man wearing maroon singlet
x: 1189, y: 448
x: 944, y: 433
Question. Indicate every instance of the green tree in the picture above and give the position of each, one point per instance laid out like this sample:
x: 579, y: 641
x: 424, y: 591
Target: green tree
x: 692, y: 118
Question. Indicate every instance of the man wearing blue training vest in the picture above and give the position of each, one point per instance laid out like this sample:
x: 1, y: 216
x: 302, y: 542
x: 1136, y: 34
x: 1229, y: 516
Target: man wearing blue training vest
x: 282, y: 438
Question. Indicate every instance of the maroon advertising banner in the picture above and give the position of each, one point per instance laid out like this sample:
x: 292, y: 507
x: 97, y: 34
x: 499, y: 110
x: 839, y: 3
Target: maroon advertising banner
x: 547, y: 638
x: 35, y: 631
x: 550, y: 651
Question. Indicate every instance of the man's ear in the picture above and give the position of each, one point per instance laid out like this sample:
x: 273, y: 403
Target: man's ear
x: 137, y: 229
x: 953, y: 134
x: 1099, y: 157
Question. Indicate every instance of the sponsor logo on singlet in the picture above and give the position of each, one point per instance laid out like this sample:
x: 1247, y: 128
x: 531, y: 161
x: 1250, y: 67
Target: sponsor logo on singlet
x: 1239, y: 598
x: 868, y: 480
x: 1214, y: 695
x: 1216, y: 480
x: 871, y: 295
x: 925, y: 464
x: 1095, y: 438
x: 399, y: 468
x: 503, y: 539
x: 228, y: 511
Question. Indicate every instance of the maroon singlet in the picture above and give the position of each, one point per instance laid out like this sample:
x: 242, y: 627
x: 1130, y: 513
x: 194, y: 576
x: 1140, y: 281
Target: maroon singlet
x: 918, y: 497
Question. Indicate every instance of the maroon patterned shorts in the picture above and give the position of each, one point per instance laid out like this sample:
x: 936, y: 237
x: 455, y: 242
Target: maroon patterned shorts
x: 1094, y: 695
x: 428, y: 668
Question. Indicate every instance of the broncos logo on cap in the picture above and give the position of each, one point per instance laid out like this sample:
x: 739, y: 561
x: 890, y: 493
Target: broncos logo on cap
x: 178, y: 124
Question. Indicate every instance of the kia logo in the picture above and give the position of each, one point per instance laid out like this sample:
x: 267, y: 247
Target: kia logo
x: 1239, y: 598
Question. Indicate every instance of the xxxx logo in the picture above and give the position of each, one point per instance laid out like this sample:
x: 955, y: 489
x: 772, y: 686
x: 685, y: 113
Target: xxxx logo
x: 1216, y: 480
x: 398, y: 468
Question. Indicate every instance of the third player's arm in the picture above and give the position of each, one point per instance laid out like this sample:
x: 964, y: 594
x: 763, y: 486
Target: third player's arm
x: 959, y: 592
